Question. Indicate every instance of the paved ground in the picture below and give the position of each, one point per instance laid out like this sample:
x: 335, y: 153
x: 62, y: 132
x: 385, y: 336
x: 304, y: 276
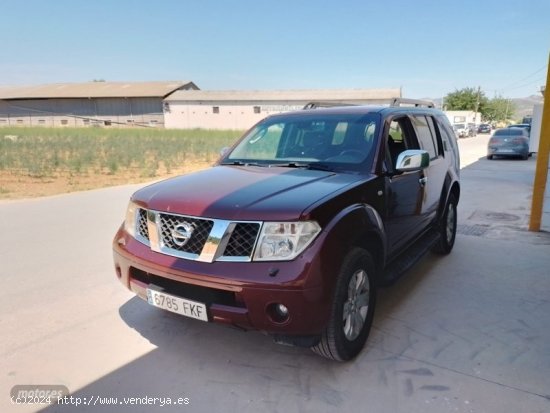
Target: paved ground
x: 465, y: 333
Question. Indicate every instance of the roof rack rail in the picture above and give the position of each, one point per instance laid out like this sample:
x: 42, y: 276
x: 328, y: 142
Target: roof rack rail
x: 316, y: 105
x: 415, y: 102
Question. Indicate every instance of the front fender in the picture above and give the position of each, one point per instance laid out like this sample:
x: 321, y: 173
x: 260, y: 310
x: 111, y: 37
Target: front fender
x: 357, y: 225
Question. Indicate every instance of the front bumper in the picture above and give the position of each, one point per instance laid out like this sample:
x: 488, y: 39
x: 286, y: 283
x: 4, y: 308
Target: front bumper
x: 241, y: 294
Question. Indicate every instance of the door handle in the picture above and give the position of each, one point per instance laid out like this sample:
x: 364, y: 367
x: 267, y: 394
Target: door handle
x: 423, y: 181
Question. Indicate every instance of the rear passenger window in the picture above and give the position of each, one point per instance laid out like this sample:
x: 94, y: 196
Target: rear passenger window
x: 425, y: 138
x: 436, y: 135
x: 446, y: 135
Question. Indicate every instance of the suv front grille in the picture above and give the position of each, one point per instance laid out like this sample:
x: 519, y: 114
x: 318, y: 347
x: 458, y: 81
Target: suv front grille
x: 196, y: 238
x: 142, y: 224
x: 242, y: 240
x: 199, y: 235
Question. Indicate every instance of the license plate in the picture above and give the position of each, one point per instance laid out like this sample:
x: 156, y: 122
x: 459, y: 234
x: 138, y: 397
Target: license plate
x: 177, y: 305
x: 506, y: 150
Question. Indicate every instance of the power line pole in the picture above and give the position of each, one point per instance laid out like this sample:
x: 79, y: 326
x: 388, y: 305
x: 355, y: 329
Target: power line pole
x: 477, y: 102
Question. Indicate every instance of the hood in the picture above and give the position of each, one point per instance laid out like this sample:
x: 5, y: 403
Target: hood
x: 244, y: 192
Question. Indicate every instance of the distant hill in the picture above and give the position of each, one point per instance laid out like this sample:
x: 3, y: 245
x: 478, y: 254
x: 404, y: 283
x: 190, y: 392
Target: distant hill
x: 523, y: 106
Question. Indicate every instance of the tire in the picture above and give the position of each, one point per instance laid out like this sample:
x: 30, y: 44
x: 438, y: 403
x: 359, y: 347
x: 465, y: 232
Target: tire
x: 525, y: 157
x: 447, y: 228
x: 489, y: 157
x: 352, y: 308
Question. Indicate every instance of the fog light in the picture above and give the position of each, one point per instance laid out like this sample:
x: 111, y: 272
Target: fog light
x: 278, y: 313
x: 281, y: 310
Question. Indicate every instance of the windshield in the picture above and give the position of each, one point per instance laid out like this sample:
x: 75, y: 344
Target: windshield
x: 310, y: 139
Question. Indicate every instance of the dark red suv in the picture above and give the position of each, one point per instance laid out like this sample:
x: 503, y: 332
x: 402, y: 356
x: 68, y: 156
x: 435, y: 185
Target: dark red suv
x: 291, y: 232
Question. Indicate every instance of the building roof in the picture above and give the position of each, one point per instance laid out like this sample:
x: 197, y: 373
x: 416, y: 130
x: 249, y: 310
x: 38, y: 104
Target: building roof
x: 95, y: 90
x: 332, y: 95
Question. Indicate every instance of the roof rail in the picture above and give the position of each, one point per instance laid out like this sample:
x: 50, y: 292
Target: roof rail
x: 415, y: 102
x: 316, y: 105
x: 392, y: 102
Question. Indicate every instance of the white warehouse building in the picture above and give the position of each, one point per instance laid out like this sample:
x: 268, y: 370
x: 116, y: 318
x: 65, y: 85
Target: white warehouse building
x: 237, y: 109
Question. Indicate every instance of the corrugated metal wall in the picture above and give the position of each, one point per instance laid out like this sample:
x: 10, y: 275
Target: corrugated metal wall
x: 82, y: 112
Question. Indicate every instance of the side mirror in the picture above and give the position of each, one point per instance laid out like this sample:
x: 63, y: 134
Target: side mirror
x: 412, y: 160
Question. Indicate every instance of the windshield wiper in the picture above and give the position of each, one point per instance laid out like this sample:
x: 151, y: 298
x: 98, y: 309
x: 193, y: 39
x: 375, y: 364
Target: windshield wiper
x: 320, y: 167
x: 312, y: 166
x: 241, y: 163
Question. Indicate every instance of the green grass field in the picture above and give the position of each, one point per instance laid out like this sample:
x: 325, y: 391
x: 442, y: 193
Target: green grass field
x: 45, y: 152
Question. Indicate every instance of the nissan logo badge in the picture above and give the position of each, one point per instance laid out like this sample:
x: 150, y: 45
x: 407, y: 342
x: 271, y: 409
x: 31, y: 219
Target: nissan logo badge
x: 181, y: 233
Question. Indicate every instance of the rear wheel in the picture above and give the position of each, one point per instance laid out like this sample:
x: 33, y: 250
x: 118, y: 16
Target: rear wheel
x: 489, y: 157
x: 447, y: 228
x: 352, y: 309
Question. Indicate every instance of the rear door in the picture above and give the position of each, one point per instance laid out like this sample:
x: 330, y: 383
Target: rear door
x: 434, y: 175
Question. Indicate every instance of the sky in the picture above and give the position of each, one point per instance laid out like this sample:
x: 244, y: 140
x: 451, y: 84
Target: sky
x: 427, y: 47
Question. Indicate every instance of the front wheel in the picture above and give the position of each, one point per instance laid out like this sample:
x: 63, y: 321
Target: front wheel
x: 447, y: 228
x: 352, y: 309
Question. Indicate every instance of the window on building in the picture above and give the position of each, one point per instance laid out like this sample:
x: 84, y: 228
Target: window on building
x: 257, y: 109
x: 107, y: 122
x: 3, y: 121
x: 64, y: 122
x: 41, y: 122
x: 215, y: 109
x: 86, y: 121
x: 129, y: 121
x: 20, y: 121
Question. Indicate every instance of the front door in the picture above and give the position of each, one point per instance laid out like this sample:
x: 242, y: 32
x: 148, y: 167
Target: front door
x: 405, y: 192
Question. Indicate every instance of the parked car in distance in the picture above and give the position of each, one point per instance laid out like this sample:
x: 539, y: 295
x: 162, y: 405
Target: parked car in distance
x: 461, y: 130
x: 484, y: 128
x: 293, y: 229
x: 509, y: 142
x: 525, y: 126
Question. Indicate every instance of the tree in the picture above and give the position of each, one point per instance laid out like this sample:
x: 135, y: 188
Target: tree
x: 499, y: 109
x: 468, y: 98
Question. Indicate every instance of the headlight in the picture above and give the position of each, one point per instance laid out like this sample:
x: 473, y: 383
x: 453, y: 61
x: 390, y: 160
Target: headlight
x: 130, y: 221
x: 283, y: 241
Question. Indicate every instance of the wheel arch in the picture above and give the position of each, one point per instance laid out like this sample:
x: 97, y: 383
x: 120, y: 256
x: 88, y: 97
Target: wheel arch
x: 450, y: 187
x: 358, y: 225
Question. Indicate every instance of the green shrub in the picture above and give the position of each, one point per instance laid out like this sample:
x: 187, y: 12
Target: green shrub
x: 42, y: 152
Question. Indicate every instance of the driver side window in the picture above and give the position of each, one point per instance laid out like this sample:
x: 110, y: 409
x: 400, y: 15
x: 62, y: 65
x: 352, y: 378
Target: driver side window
x: 400, y: 138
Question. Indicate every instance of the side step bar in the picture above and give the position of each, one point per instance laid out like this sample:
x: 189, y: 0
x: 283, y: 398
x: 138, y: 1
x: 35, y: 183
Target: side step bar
x: 409, y: 257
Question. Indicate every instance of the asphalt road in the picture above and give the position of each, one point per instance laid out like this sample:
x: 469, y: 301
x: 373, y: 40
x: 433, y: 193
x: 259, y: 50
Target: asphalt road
x: 469, y: 332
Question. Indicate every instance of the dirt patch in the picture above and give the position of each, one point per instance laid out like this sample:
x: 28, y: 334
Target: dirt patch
x: 14, y: 185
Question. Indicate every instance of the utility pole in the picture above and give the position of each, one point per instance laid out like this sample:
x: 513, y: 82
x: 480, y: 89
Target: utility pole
x: 541, y: 172
x: 477, y: 103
